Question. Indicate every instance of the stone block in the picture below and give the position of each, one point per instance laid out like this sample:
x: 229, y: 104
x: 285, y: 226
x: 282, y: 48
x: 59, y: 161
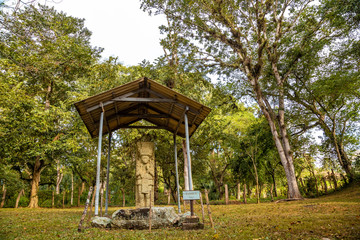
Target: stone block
x: 101, y: 222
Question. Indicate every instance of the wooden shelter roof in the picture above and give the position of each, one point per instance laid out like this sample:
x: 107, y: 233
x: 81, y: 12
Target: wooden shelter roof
x: 146, y: 99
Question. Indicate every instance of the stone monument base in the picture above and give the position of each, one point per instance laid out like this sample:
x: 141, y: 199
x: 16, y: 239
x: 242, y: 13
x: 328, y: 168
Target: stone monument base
x: 192, y: 223
x: 161, y: 217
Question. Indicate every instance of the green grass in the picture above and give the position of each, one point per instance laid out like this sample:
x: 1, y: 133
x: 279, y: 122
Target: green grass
x: 336, y: 216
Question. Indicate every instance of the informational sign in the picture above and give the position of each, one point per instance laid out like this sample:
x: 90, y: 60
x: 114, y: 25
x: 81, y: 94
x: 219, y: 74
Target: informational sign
x: 191, y: 195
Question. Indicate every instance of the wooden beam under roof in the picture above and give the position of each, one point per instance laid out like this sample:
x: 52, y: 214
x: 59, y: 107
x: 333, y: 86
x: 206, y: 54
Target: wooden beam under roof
x: 145, y: 100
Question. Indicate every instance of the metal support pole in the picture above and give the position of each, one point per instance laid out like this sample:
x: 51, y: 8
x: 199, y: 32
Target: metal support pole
x: 188, y: 158
x: 188, y: 149
x: 98, y: 165
x: 177, y: 175
x: 107, y: 177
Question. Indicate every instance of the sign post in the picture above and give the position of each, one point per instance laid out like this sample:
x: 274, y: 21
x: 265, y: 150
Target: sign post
x: 191, y: 195
x: 192, y: 222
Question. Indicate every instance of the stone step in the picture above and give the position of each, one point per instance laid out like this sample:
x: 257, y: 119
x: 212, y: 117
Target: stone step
x: 192, y: 219
x: 192, y: 226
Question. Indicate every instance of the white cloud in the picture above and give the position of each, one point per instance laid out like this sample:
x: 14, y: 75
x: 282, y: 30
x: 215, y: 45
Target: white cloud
x: 121, y: 27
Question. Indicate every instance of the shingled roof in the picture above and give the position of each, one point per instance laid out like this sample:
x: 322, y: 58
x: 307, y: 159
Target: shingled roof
x: 146, y: 99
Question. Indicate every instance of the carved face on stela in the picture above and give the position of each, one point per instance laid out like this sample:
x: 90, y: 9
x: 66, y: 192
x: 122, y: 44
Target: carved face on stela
x: 146, y: 150
x: 145, y: 159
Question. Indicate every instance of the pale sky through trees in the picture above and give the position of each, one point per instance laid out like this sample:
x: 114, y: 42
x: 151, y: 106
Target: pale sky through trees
x: 119, y: 26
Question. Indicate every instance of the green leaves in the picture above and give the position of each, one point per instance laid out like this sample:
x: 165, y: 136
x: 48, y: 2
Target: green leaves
x: 44, y: 56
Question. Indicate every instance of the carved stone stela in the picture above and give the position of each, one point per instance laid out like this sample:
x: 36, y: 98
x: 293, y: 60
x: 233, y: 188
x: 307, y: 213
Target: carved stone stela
x: 145, y: 173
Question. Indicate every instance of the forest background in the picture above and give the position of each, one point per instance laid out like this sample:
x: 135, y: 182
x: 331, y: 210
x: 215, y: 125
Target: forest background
x: 285, y: 68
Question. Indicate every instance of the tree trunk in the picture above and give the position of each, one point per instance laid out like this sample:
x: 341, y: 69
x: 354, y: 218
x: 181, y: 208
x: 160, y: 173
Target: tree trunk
x: 18, y: 198
x: 39, y: 164
x: 257, y: 183
x: 82, y: 188
x: 35, y: 180
x: 226, y: 194
x: 248, y: 191
x: 208, y: 207
x: 293, y: 188
x: 169, y: 196
x: 202, y: 208
x: 281, y: 138
x: 92, y: 202
x: 85, y: 209
x: 244, y: 193
x: 334, y: 178
x: 344, y: 178
x: 329, y: 177
x: 219, y: 189
x: 173, y: 193
x: 59, y: 176
x: 344, y: 161
x: 172, y: 56
x: 72, y: 190
x: 53, y: 199
x: 271, y: 192
x: 123, y: 197
x: 287, y: 192
x: 79, y: 195
x: 274, y: 183
x: 325, y: 186
x: 175, y: 197
x: 63, y: 202
x: 238, y: 192
x: 3, y: 196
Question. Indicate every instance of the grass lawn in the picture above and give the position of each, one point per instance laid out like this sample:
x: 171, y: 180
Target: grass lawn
x: 336, y: 216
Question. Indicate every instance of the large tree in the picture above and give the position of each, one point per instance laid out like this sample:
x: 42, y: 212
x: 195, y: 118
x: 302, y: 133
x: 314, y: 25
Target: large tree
x: 43, y: 55
x: 324, y: 89
x: 261, y: 41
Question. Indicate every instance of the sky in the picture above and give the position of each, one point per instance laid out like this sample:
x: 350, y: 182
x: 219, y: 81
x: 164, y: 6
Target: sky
x: 120, y: 27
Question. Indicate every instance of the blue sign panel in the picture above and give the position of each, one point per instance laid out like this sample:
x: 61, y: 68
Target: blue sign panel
x: 191, y: 195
